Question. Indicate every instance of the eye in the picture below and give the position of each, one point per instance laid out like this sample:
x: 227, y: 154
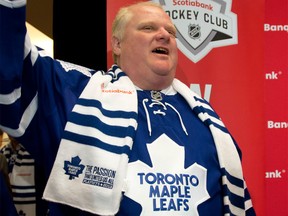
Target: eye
x: 172, y: 33
x: 148, y: 28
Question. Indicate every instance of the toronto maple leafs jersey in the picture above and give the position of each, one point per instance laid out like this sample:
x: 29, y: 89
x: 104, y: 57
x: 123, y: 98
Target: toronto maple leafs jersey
x: 173, y: 167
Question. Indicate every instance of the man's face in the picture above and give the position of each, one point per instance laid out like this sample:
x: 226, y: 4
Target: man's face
x: 148, y: 51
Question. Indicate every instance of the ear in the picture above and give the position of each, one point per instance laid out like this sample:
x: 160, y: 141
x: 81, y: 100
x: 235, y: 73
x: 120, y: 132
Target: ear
x: 115, y: 42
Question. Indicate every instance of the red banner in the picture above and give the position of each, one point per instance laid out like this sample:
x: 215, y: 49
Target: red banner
x: 234, y: 53
x: 276, y: 98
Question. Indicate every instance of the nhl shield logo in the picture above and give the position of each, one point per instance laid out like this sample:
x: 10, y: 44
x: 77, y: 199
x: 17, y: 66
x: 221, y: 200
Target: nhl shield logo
x: 202, y: 25
x: 194, y: 31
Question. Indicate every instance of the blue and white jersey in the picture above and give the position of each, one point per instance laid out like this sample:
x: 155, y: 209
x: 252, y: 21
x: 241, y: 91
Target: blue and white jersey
x: 37, y: 93
x: 173, y: 167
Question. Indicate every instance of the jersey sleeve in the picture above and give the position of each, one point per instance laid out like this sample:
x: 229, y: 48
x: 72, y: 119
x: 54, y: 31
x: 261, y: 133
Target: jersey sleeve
x: 36, y: 91
x: 12, y: 54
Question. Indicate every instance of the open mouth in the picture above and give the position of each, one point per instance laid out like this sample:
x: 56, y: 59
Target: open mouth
x: 161, y: 50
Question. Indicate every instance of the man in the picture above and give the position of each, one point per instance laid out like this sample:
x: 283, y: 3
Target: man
x: 133, y: 140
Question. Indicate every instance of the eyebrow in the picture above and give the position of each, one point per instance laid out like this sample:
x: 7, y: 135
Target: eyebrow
x: 168, y: 26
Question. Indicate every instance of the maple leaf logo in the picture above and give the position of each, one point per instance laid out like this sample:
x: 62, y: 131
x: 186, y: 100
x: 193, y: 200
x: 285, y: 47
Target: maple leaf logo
x: 167, y: 188
x: 73, y: 168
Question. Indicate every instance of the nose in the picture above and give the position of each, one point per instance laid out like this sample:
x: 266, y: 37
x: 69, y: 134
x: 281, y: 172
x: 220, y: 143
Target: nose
x: 163, y: 34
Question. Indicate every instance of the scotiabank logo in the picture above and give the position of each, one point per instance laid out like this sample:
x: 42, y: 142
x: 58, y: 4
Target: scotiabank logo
x: 202, y: 25
x: 275, y: 28
x: 276, y: 174
x: 277, y: 125
x: 122, y: 91
x: 273, y: 75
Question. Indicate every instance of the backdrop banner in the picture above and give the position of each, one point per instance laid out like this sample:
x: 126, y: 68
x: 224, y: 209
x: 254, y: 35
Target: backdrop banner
x: 276, y: 115
x: 235, y: 55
